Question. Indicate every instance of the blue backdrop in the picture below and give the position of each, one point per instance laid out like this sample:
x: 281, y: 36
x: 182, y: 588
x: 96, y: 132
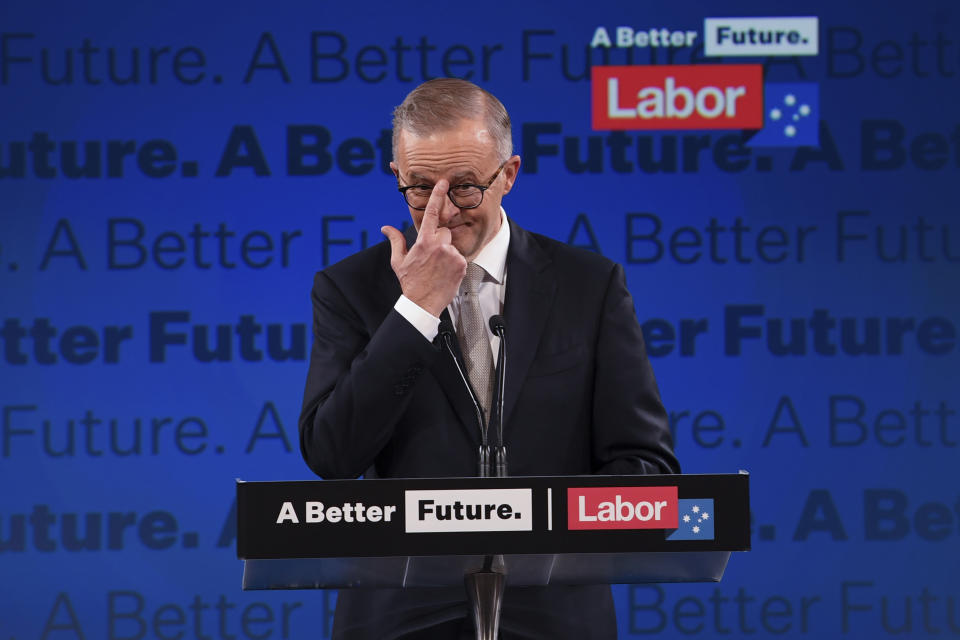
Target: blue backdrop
x: 172, y: 176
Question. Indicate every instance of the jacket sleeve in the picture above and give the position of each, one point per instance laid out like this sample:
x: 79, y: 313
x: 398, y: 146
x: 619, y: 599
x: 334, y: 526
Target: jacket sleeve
x: 631, y: 431
x: 359, y: 382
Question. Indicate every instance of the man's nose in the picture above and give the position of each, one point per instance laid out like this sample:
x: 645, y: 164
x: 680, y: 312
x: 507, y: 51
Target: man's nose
x: 448, y: 210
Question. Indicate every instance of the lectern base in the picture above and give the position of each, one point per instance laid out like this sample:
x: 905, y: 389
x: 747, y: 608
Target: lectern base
x: 485, y: 592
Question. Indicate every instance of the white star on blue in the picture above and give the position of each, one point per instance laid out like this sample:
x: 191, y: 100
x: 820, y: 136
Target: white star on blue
x: 696, y: 520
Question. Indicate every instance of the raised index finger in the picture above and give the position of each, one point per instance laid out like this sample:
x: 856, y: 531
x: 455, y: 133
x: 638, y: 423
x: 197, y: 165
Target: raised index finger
x: 431, y: 214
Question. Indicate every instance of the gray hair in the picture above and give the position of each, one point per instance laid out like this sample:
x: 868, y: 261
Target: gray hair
x: 443, y: 103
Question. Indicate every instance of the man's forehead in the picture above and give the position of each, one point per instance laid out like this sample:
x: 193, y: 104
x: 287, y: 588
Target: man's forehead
x: 461, y: 151
x: 462, y: 131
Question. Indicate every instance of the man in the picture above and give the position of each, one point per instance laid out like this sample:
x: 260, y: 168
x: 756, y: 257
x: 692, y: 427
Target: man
x: 384, y: 399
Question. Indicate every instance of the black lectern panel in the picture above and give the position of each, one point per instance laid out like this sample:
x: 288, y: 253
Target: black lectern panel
x: 550, y: 530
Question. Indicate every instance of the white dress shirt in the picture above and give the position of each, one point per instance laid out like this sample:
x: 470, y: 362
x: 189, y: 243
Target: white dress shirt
x: 491, y: 292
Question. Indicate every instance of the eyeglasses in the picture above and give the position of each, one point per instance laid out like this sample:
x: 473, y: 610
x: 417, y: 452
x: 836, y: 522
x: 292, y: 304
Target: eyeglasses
x: 464, y: 196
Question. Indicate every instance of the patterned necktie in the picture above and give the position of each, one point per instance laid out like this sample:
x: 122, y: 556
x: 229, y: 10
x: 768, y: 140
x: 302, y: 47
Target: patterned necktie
x: 472, y: 334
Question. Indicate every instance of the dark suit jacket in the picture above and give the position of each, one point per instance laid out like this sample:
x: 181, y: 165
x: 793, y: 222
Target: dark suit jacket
x: 580, y: 398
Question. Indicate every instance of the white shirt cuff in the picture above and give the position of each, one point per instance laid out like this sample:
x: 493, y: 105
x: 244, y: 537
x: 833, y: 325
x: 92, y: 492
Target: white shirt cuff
x: 422, y: 320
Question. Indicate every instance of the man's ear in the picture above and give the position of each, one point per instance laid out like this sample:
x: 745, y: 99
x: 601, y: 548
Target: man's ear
x: 510, y: 171
x: 393, y: 167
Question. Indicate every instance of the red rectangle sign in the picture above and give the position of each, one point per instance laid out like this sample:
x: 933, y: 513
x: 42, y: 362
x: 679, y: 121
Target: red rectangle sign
x: 622, y: 508
x: 691, y: 96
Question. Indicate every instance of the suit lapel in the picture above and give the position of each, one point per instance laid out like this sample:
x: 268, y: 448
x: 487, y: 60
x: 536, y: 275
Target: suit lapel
x: 444, y: 369
x: 531, y: 286
x: 449, y: 378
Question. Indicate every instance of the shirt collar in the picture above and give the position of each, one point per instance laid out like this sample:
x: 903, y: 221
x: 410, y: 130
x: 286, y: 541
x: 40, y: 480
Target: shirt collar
x: 493, y: 256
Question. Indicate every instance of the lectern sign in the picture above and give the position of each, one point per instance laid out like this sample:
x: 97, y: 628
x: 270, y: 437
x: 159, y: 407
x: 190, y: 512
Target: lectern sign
x: 445, y: 511
x: 622, y: 508
x: 516, y: 515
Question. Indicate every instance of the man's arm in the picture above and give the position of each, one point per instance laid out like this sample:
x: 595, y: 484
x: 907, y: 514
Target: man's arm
x: 358, y: 385
x: 631, y: 431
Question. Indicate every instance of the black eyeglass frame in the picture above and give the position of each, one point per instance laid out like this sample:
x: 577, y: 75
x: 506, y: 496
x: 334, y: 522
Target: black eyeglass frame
x: 482, y: 187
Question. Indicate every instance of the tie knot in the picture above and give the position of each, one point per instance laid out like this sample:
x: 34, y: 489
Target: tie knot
x: 471, y: 281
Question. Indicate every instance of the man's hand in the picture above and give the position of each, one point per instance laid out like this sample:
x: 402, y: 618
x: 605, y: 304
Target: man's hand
x: 431, y: 271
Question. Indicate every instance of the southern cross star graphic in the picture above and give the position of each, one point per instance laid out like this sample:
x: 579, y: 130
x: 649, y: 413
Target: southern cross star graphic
x: 696, y: 520
x: 792, y: 117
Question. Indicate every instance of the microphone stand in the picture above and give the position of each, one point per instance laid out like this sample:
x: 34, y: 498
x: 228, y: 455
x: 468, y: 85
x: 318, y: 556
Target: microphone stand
x: 483, y: 455
x: 498, y: 327
x: 485, y: 586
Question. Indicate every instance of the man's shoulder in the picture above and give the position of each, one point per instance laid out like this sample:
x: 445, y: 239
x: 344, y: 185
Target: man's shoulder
x: 363, y: 281
x: 361, y: 266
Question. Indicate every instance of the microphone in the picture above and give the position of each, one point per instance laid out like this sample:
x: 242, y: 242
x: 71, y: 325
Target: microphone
x: 483, y: 455
x: 499, y: 328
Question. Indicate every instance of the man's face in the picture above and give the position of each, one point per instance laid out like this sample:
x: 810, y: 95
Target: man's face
x: 465, y: 154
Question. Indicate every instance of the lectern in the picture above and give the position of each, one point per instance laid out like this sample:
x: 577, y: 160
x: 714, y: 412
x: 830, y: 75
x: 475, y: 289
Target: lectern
x: 488, y: 533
